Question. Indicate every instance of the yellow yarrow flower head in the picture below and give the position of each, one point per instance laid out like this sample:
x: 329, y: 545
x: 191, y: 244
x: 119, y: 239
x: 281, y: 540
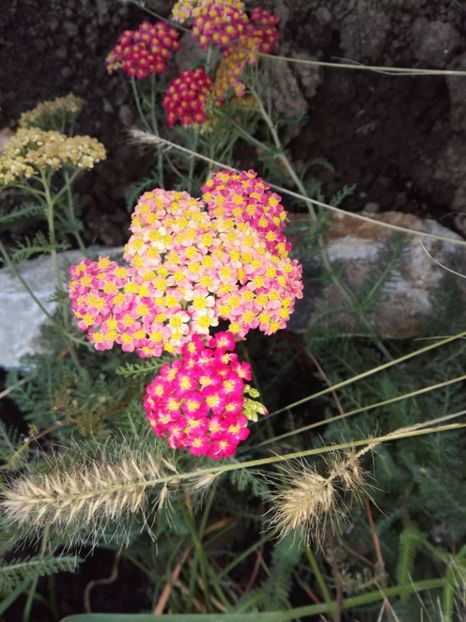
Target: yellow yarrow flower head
x: 55, y: 114
x: 32, y: 151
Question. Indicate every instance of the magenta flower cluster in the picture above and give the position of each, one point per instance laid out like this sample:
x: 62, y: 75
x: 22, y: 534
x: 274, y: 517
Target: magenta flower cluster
x: 144, y: 51
x: 186, y: 98
x: 197, y: 402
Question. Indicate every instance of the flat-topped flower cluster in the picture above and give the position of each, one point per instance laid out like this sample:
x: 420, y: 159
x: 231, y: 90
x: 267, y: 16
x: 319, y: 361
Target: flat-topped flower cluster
x: 31, y: 151
x: 53, y: 114
x: 145, y: 50
x: 191, y: 263
x: 186, y: 98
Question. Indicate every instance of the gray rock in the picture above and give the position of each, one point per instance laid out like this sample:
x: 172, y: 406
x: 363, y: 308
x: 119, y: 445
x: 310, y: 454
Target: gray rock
x: 413, y: 298
x: 287, y: 96
x: 23, y: 337
x: 71, y: 29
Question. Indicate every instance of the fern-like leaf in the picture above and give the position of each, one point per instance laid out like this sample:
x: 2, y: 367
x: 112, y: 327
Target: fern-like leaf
x: 20, y: 214
x: 13, y: 572
x: 36, y: 246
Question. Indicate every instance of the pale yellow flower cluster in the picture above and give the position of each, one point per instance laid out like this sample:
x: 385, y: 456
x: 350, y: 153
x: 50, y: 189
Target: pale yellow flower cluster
x: 53, y: 114
x: 184, y: 10
x: 32, y: 151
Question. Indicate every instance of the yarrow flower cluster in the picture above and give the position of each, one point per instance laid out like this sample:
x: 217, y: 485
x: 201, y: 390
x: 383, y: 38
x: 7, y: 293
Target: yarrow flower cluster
x: 184, y: 10
x: 144, y: 51
x: 198, y: 402
x: 219, y: 24
x: 186, y: 98
x: 53, y: 114
x: 260, y: 35
x: 32, y: 150
x: 187, y: 269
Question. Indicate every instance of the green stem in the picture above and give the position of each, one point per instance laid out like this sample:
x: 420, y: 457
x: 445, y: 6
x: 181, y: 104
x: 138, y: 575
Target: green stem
x: 32, y: 589
x: 10, y: 599
x: 199, y: 551
x: 137, y: 101
x: 271, y: 616
x: 243, y: 555
x: 364, y: 409
x: 50, y: 215
x: 370, y: 372
x: 24, y: 283
x: 420, y: 429
x: 318, y: 575
x: 71, y: 211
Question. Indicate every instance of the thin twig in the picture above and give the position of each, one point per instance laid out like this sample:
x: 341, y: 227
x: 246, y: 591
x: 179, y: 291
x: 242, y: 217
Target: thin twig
x: 337, y: 400
x: 375, y: 537
x: 106, y: 581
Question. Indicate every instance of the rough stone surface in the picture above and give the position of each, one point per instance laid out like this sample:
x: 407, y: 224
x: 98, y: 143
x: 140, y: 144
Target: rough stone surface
x: 364, y: 32
x: 409, y: 301
x: 434, y: 42
x: 20, y: 317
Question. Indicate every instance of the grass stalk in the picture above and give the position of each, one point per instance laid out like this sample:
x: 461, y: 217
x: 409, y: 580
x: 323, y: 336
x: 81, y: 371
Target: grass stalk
x: 147, y: 137
x: 361, y: 409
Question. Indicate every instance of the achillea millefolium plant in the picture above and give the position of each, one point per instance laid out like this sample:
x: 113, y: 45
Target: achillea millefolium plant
x: 164, y: 420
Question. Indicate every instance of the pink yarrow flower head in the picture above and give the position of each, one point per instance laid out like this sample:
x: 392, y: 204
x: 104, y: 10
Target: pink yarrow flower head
x: 188, y: 267
x: 186, y: 98
x: 219, y: 24
x: 246, y: 197
x: 144, y: 51
x: 198, y: 402
x: 210, y: 266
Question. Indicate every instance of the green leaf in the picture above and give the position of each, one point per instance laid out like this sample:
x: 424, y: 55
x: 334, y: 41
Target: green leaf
x: 269, y: 616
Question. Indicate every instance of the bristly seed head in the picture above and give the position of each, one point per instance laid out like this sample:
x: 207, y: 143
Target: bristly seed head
x: 308, y: 503
x: 87, y: 497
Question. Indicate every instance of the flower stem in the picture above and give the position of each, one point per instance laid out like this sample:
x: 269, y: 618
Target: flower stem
x: 138, y: 104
